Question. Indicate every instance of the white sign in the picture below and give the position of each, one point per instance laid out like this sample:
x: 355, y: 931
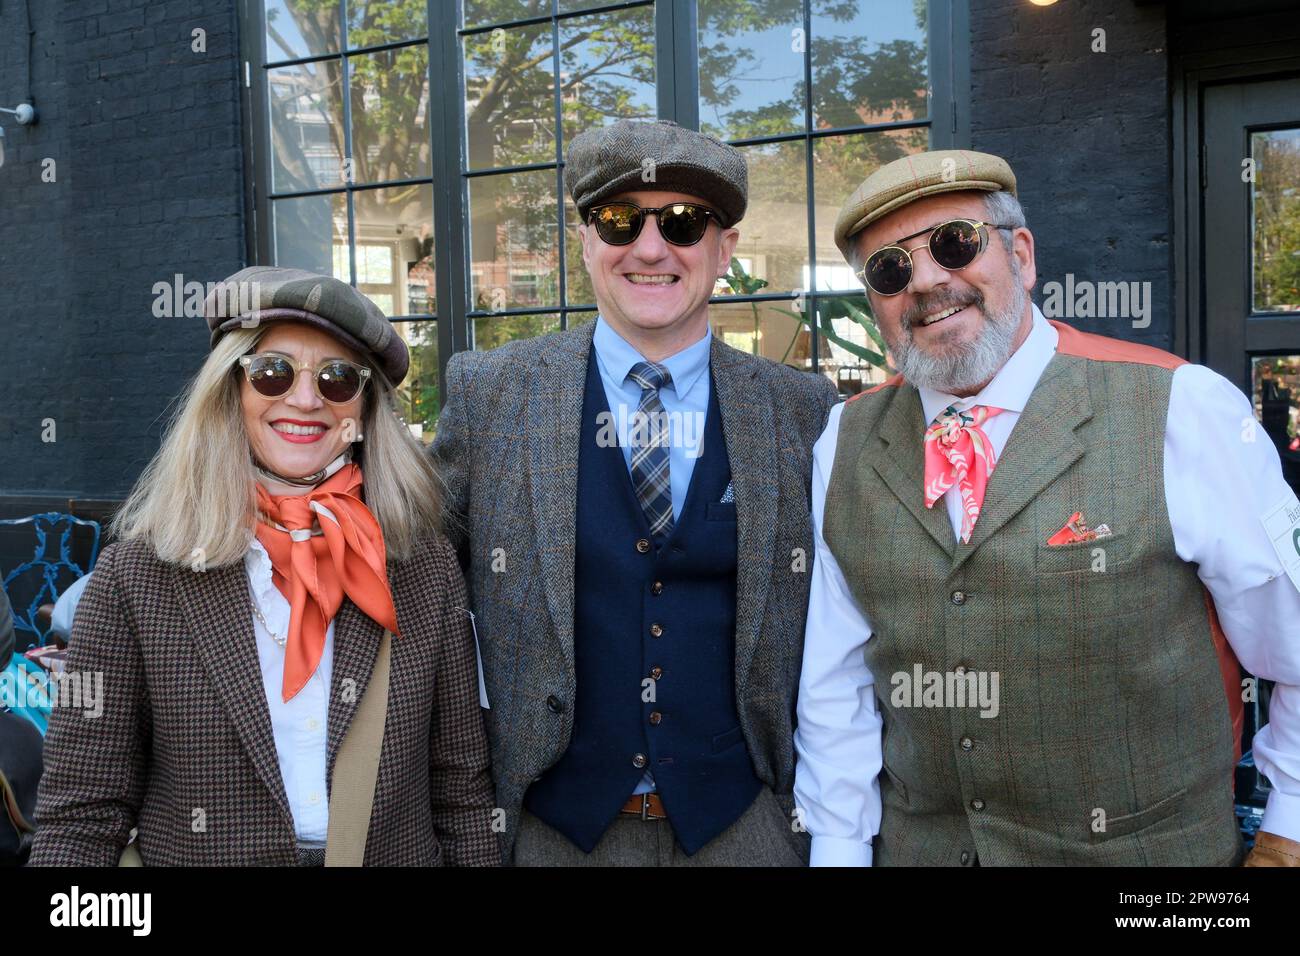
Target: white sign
x: 1282, y: 525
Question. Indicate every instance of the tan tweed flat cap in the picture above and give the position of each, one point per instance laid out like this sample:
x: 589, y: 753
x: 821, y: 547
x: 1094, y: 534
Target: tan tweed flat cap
x: 911, y: 177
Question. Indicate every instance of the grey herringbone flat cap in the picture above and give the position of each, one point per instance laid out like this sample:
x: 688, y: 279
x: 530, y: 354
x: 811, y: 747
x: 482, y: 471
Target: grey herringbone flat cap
x: 636, y: 155
x: 262, y: 294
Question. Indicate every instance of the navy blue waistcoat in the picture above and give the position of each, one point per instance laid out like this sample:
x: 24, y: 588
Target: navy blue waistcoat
x: 644, y: 702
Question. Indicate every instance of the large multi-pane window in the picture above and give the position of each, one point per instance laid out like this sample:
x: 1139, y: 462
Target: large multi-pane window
x: 535, y: 73
x: 817, y: 94
x: 343, y: 148
x: 415, y: 149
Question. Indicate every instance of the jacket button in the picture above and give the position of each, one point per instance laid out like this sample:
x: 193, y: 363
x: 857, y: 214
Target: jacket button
x: 643, y: 545
x: 638, y: 760
x: 965, y: 857
x: 657, y: 588
x: 958, y: 597
x: 656, y: 717
x: 656, y: 630
x: 656, y: 672
x: 554, y: 704
x: 967, y: 743
x: 977, y: 804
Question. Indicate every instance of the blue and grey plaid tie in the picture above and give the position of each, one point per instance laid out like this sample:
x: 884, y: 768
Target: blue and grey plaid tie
x: 648, y: 440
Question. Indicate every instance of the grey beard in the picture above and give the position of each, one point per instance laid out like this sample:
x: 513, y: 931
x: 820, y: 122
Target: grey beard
x: 971, y: 364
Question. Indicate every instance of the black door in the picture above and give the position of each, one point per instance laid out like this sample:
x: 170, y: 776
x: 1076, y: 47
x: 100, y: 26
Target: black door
x: 1251, y: 254
x: 1250, y: 271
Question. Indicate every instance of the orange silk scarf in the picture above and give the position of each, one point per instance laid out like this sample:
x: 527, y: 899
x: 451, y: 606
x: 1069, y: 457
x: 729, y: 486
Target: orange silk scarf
x: 315, y: 571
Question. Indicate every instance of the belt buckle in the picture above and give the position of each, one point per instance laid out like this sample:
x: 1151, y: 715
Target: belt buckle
x: 645, y: 806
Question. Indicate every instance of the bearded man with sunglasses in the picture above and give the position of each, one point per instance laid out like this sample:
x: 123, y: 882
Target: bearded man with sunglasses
x: 1043, y: 557
x: 634, y: 502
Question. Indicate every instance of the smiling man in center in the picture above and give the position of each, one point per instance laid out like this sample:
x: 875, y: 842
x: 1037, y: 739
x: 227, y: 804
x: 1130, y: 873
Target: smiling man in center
x: 640, y: 602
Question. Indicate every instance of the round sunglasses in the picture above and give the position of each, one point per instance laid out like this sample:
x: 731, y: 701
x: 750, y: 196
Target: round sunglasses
x: 681, y: 224
x: 273, y: 375
x: 953, y: 245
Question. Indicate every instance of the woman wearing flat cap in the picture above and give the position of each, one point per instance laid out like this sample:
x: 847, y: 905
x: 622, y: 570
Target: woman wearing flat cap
x: 280, y: 612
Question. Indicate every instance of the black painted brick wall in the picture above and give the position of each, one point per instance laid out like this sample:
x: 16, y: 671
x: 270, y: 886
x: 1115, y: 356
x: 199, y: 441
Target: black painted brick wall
x: 1087, y: 135
x: 145, y: 134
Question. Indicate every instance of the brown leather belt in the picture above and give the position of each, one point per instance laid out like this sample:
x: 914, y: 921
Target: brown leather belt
x: 647, y: 806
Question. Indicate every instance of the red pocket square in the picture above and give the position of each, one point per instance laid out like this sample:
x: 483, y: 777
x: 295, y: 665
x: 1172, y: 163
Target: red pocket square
x: 1075, y: 530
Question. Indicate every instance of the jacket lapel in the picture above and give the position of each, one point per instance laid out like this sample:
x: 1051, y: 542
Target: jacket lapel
x: 1042, y: 446
x: 554, y: 418
x: 901, y: 463
x: 356, y: 645
x: 749, y: 429
x: 218, y: 610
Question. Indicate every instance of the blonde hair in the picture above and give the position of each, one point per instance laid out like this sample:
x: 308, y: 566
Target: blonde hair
x: 195, y: 501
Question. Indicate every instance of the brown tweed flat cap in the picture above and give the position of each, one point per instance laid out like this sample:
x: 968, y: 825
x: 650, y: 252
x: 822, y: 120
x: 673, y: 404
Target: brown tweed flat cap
x: 262, y: 294
x: 635, y: 155
x: 911, y: 177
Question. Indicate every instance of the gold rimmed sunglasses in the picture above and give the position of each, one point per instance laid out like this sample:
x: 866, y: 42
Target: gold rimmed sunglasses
x: 953, y: 245
x: 274, y: 375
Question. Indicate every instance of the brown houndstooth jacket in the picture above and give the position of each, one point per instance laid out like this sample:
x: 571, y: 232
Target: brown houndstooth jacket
x: 184, y: 750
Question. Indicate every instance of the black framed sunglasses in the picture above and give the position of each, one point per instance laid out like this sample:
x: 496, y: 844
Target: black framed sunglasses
x: 953, y: 245
x: 681, y: 223
x: 273, y: 375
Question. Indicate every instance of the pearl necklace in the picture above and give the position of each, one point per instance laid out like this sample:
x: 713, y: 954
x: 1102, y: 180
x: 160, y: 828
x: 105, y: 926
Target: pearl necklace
x: 282, y: 641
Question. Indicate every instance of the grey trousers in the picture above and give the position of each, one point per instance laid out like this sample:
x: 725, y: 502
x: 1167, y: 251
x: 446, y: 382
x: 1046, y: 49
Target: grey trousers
x: 762, y: 836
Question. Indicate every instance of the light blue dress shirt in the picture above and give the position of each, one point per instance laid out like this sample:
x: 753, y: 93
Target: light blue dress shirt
x: 686, y: 401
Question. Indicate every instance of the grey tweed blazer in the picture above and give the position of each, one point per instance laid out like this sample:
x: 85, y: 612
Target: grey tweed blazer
x: 184, y: 750
x: 507, y: 448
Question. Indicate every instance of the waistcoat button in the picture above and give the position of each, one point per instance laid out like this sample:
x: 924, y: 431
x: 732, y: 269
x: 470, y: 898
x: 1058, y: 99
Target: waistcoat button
x: 638, y: 760
x: 977, y: 804
x: 656, y: 630
x: 965, y: 857
x: 656, y: 672
x: 958, y: 597
x: 643, y: 545
x: 967, y: 743
x: 555, y: 705
x: 657, y: 588
x: 655, y: 717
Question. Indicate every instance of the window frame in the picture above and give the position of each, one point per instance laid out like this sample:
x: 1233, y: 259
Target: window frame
x: 677, y: 96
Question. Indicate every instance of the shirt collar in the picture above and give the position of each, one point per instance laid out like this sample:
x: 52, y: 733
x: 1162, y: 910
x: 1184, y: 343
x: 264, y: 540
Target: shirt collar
x: 257, y: 563
x: 1015, y: 381
x: 617, y: 356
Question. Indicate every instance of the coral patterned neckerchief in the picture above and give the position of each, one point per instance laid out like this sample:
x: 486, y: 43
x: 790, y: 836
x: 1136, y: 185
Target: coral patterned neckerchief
x: 957, y: 452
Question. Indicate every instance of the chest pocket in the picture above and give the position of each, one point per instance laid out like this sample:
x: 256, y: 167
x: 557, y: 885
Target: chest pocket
x: 1102, y: 555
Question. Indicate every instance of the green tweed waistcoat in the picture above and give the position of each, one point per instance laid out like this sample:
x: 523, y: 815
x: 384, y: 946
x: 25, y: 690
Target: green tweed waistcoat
x: 1112, y: 740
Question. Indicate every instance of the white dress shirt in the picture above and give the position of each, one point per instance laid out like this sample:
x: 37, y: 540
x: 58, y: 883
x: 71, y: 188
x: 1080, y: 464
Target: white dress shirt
x: 1221, y: 476
x: 298, y: 725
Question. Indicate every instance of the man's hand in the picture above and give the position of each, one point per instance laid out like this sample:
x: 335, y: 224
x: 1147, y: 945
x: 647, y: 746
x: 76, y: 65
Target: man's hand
x: 1273, y: 850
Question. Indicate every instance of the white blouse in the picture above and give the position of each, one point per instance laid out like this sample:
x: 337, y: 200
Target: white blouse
x: 298, y: 725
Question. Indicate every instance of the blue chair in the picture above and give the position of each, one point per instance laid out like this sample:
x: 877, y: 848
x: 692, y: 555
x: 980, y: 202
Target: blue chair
x: 36, y: 582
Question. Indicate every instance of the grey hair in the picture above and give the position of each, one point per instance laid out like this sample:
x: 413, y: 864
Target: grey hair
x: 1005, y: 209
